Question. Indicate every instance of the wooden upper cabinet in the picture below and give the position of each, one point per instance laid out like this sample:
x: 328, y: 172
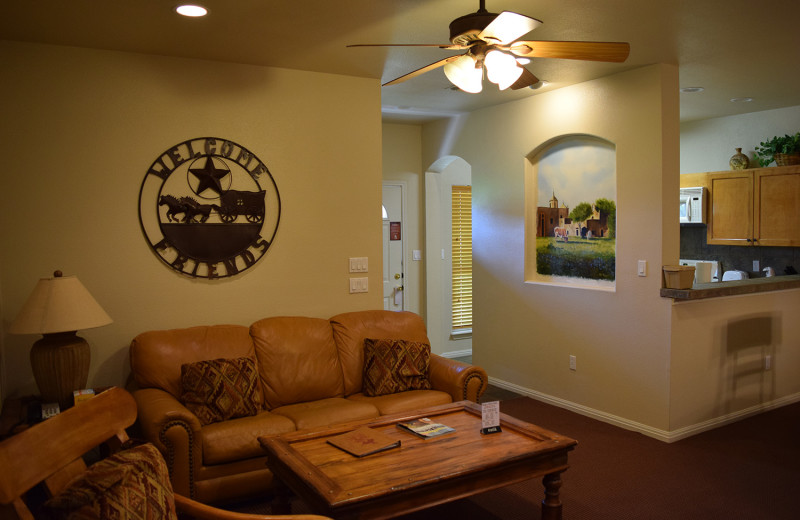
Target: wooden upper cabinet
x: 777, y: 206
x: 754, y: 207
x: 730, y: 208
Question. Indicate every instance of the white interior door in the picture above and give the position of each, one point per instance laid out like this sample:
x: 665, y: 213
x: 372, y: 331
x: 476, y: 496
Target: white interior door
x: 393, y: 234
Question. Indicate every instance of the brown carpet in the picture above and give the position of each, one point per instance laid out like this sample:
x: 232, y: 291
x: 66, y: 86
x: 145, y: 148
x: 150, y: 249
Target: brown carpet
x: 746, y: 470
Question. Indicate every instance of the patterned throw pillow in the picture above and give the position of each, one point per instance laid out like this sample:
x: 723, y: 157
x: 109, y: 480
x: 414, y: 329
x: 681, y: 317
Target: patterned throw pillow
x: 395, y: 365
x: 221, y: 389
x: 132, y: 484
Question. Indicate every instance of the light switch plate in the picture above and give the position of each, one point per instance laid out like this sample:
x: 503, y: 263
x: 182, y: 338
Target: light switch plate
x: 359, y: 264
x: 642, y: 268
x: 359, y: 285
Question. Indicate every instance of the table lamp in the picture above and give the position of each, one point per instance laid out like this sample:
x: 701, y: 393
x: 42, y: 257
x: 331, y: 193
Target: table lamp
x: 58, y: 308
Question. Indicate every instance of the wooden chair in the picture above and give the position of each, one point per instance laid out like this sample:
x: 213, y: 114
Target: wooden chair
x: 51, y: 453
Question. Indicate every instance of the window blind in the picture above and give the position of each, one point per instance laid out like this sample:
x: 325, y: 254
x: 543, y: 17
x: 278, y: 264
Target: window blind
x: 462, y: 257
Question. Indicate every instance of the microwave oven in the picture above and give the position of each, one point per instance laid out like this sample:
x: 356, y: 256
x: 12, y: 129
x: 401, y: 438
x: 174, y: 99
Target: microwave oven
x: 692, y: 205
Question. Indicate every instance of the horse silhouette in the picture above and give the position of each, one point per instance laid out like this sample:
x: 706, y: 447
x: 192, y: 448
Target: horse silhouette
x: 196, y: 212
x: 174, y: 207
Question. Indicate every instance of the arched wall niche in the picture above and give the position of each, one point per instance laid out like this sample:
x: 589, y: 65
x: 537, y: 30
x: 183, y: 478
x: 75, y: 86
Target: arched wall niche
x: 570, y: 213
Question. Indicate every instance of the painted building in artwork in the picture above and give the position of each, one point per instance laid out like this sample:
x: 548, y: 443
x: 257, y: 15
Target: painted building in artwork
x: 552, y: 217
x: 554, y: 221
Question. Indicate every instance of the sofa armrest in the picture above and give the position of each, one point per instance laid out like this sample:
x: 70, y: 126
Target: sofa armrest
x: 461, y: 380
x: 175, y: 430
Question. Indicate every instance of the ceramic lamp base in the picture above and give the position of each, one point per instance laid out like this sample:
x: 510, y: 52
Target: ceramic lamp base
x: 60, y: 364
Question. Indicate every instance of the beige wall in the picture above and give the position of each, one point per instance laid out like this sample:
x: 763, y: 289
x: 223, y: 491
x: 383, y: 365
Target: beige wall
x: 707, y: 145
x: 644, y: 362
x: 524, y: 333
x: 81, y: 127
x: 719, y: 347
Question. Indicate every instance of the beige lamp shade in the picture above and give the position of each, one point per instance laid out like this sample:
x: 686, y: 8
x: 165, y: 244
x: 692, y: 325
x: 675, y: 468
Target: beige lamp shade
x: 59, y: 304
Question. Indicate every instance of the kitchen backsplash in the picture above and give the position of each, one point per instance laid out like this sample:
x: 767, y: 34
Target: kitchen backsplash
x: 694, y: 247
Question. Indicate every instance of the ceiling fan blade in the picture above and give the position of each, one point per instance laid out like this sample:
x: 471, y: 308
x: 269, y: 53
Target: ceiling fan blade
x: 526, y: 80
x: 446, y: 46
x: 423, y: 70
x: 591, y: 51
x: 507, y: 27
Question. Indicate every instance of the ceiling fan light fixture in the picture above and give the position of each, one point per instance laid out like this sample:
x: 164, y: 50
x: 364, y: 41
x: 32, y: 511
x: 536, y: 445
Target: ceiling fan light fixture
x: 502, y: 68
x: 465, y: 73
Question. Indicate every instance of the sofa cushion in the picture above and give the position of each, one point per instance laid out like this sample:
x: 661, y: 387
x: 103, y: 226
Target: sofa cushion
x: 156, y: 356
x: 351, y: 328
x: 237, y: 439
x: 297, y: 360
x: 220, y: 389
x: 395, y: 365
x: 130, y: 484
x: 325, y: 412
x: 404, y: 401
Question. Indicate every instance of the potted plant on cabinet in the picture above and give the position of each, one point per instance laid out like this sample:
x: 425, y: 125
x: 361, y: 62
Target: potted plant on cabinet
x: 783, y: 150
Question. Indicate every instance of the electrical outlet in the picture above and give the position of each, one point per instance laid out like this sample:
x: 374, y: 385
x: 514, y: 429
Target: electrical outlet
x: 573, y: 363
x: 756, y: 266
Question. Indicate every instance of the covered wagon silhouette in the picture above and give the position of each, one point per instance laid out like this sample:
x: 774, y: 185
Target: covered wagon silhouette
x: 248, y: 203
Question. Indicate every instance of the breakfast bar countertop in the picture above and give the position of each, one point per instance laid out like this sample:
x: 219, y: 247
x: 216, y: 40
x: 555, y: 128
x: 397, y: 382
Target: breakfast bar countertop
x: 732, y: 288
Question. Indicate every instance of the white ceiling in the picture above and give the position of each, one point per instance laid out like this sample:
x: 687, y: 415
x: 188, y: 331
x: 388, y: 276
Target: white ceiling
x: 732, y: 48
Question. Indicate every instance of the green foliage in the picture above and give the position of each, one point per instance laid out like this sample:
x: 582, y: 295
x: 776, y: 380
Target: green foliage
x: 765, y: 152
x: 581, y: 212
x: 580, y: 258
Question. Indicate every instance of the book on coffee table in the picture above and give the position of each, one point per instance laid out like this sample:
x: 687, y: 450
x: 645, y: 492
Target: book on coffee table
x: 425, y: 428
x: 364, y: 441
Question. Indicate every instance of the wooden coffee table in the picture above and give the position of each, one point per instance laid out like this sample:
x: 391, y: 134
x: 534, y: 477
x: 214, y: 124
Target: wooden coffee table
x: 422, y: 472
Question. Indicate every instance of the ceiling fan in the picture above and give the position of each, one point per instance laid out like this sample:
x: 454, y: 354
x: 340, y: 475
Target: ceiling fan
x: 490, y: 40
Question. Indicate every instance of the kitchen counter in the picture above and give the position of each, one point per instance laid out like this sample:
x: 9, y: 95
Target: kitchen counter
x: 701, y: 291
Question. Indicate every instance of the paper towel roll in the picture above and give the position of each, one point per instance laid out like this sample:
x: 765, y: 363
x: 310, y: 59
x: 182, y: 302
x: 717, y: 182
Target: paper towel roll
x: 702, y: 272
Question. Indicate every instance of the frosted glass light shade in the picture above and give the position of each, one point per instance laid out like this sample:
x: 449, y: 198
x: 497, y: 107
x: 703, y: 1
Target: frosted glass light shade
x: 502, y: 68
x: 59, y: 304
x: 463, y: 73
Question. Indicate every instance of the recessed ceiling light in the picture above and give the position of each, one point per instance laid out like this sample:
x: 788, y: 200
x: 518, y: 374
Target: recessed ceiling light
x: 191, y: 10
x: 741, y: 100
x: 691, y: 90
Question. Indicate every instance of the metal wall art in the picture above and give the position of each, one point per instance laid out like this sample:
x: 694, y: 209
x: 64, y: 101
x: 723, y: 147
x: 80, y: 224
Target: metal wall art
x: 209, y: 208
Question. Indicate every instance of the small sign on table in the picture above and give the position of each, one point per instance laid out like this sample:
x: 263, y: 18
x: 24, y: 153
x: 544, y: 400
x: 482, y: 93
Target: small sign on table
x: 490, y: 417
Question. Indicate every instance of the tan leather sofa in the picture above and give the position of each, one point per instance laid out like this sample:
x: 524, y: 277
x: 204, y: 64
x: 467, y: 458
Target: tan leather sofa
x: 310, y: 370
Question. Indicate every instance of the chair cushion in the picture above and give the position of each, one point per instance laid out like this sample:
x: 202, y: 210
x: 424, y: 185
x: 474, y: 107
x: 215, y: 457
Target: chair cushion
x: 395, y: 365
x: 220, y: 389
x: 130, y: 484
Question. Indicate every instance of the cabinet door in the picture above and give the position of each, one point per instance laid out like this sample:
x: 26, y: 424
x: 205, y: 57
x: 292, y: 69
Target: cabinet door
x: 730, y: 208
x: 777, y: 207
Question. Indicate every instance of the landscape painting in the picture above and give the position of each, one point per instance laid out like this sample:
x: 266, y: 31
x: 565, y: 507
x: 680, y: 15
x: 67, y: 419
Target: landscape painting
x: 575, y: 218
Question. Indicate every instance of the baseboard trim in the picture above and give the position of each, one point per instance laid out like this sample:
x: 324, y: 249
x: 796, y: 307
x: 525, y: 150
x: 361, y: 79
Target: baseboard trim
x: 656, y: 433
x: 458, y: 353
